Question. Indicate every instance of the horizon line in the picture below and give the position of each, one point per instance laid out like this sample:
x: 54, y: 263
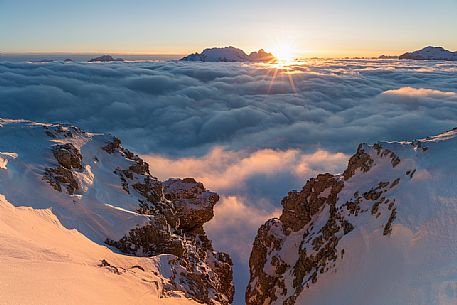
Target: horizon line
x: 116, y: 53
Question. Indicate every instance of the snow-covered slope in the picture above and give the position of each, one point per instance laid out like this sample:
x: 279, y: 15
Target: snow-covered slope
x: 105, y: 192
x: 430, y: 53
x: 229, y: 54
x: 42, y: 262
x: 383, y: 232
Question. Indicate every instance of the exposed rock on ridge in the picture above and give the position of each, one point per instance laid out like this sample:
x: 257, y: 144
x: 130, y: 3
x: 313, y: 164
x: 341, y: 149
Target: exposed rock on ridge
x: 178, y: 210
x: 107, y: 193
x: 291, y: 253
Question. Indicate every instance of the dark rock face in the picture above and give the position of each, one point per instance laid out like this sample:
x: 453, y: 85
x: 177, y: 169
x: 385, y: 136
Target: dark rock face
x: 299, y: 207
x: 193, y: 203
x: 178, y: 208
x: 298, y: 210
x: 360, y: 161
x: 290, y: 253
x: 68, y: 156
x: 61, y: 177
x: 105, y: 58
x: 151, y: 239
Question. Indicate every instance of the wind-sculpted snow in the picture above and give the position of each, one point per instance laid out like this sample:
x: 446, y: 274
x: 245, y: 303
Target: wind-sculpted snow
x: 382, y: 232
x: 43, y: 262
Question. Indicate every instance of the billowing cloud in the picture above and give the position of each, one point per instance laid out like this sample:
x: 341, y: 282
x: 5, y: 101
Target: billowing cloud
x: 421, y: 92
x: 225, y: 170
x: 183, y: 109
x: 235, y: 224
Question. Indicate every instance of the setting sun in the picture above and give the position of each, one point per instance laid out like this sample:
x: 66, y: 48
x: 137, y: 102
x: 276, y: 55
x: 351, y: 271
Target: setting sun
x: 284, y: 53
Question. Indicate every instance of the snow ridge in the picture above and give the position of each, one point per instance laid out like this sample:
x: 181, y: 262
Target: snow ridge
x: 380, y: 233
x: 94, y: 185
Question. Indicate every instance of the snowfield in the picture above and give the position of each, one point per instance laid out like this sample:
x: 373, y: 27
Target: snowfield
x: 42, y: 262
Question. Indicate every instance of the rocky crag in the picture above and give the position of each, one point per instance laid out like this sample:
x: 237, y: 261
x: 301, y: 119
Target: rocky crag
x: 362, y: 236
x: 106, y: 192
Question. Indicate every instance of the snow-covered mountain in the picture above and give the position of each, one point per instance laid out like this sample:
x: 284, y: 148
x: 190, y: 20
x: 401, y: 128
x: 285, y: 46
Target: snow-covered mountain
x: 105, y: 58
x: 431, y: 53
x: 382, y: 232
x: 90, y: 183
x: 229, y: 54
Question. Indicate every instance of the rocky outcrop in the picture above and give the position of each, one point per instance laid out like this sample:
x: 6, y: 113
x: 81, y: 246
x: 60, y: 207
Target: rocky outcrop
x: 291, y: 253
x: 359, y: 161
x: 62, y: 176
x: 68, y: 156
x: 192, y: 202
x: 177, y: 208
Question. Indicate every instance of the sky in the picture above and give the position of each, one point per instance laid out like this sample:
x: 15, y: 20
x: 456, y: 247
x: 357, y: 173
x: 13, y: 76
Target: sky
x: 328, y: 28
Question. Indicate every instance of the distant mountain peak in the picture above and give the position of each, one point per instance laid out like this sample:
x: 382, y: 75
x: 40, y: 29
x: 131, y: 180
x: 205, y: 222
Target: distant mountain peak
x: 105, y: 58
x: 229, y: 54
x: 431, y: 53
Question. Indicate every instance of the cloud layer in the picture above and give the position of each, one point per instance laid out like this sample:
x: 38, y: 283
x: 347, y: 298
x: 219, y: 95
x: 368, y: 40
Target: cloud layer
x: 186, y: 109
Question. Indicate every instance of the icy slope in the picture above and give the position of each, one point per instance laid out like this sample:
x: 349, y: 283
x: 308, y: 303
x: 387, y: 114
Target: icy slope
x: 430, y: 53
x: 44, y: 263
x: 383, y: 232
x: 96, y: 186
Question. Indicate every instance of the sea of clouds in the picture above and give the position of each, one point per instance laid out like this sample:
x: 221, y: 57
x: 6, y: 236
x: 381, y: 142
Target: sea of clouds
x: 250, y: 132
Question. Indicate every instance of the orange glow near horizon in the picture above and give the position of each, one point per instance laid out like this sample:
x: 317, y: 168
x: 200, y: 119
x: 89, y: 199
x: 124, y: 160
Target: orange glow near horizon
x: 284, y: 53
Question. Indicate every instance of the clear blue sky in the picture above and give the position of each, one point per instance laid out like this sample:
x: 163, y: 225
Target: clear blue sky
x: 320, y: 27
